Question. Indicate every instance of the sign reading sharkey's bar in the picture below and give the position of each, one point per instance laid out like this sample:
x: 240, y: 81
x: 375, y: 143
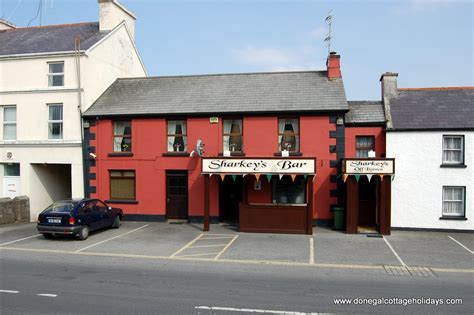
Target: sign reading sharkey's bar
x: 369, y: 166
x: 258, y: 166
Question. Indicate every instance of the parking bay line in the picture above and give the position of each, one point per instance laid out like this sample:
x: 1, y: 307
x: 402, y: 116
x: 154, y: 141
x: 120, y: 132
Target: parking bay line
x: 394, y: 252
x: 47, y: 294
x: 186, y: 246
x: 21, y: 239
x: 248, y: 310
x: 98, y: 243
x: 225, y: 248
x: 9, y: 291
x: 311, y: 251
x: 461, y: 244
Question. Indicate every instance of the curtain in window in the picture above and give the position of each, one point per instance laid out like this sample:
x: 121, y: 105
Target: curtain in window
x: 9, y: 125
x: 452, y: 149
x: 288, y: 130
x: 122, y: 185
x: 363, y: 146
x: 453, y: 202
x: 55, y: 126
x: 122, y: 144
x: 233, y: 135
x: 177, y: 140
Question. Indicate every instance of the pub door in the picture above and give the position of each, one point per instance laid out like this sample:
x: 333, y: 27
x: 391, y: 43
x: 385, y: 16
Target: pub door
x: 367, y: 216
x: 230, y: 196
x: 176, y: 194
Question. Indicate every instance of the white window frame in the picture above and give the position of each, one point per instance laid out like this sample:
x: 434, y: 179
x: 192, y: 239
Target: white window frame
x: 461, y: 162
x: 10, y: 122
x: 61, y: 121
x: 463, y: 201
x: 55, y: 74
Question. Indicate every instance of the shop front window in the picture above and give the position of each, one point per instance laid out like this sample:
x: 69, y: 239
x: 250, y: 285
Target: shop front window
x: 288, y: 134
x: 232, y: 135
x: 287, y: 191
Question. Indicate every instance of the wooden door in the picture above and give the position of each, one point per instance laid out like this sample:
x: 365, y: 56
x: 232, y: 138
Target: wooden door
x: 177, y: 195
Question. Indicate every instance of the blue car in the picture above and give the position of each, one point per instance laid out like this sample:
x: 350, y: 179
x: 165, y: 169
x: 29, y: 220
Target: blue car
x: 77, y: 217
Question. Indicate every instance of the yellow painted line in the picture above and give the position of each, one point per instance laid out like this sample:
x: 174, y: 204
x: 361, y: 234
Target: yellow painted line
x: 216, y: 238
x: 234, y: 261
x: 186, y: 246
x: 225, y: 248
x: 311, y: 251
x: 199, y: 246
x: 193, y: 255
x: 208, y: 234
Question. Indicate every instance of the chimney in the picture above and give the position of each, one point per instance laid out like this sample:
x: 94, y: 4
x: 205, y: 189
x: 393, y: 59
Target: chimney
x: 5, y: 25
x: 389, y: 85
x: 333, y: 65
x: 113, y: 13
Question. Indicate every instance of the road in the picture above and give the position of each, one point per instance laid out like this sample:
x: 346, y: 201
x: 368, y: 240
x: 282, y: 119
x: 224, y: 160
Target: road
x: 125, y: 285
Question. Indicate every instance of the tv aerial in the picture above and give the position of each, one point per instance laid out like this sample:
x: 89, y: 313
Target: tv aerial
x: 328, y: 38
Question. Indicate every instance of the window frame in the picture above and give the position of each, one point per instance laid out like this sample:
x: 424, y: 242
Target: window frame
x: 55, y: 74
x: 10, y: 122
x: 463, y: 150
x: 364, y: 136
x: 241, y: 134
x: 51, y: 121
x: 122, y: 136
x: 182, y: 135
x: 273, y: 186
x: 122, y: 177
x: 456, y: 216
x: 297, y: 135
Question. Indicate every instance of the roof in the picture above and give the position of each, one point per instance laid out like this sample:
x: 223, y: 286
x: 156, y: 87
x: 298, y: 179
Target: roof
x: 433, y: 109
x: 222, y: 93
x: 48, y: 39
x: 365, y: 112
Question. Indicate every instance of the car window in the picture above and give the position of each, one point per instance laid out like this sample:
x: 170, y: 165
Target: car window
x: 99, y: 206
x: 61, y: 206
x: 86, y: 207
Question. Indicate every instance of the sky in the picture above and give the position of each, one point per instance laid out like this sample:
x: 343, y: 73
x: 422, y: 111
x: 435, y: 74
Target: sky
x: 429, y: 43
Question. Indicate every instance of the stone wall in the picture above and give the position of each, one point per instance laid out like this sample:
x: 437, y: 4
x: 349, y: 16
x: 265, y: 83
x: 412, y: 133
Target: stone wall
x: 14, y: 210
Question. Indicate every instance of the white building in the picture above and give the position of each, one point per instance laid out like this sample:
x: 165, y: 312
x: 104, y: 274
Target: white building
x: 48, y: 76
x: 430, y: 133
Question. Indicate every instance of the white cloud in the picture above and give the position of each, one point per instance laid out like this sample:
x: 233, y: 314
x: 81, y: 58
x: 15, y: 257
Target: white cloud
x: 261, y: 56
x: 318, y: 32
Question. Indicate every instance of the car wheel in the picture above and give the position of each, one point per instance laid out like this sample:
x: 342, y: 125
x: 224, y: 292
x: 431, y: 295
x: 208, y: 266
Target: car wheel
x: 116, y: 223
x: 48, y: 236
x: 83, y: 233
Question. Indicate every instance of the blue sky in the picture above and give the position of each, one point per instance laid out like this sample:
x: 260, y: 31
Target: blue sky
x: 428, y: 42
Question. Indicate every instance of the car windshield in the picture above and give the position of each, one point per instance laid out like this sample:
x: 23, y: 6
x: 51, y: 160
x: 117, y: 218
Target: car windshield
x: 61, y: 206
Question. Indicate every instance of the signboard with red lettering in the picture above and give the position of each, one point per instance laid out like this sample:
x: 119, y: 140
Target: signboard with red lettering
x: 369, y: 166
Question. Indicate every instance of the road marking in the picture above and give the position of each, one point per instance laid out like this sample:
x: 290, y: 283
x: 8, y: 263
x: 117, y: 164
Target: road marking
x: 249, y: 310
x: 462, y: 245
x: 311, y: 251
x: 8, y: 291
x: 202, y: 254
x: 186, y: 246
x: 21, y: 239
x: 225, y: 248
x: 47, y: 294
x: 112, y: 238
x: 217, y: 245
x: 394, y: 252
x: 216, y: 238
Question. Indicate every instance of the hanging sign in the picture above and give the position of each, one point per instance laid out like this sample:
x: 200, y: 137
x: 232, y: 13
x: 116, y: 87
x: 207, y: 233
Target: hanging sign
x: 258, y: 166
x: 369, y: 166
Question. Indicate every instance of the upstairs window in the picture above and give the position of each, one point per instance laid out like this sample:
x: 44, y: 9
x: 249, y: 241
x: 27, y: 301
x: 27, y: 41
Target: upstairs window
x: 123, y: 136
x: 55, y: 121
x: 56, y: 74
x: 9, y: 123
x: 453, y: 150
x: 232, y: 135
x: 177, y: 138
x: 454, y: 201
x: 288, y: 134
x: 364, y: 144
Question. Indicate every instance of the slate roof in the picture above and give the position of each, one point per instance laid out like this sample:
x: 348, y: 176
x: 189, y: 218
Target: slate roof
x: 46, y: 39
x: 365, y: 112
x: 222, y: 93
x: 435, y: 109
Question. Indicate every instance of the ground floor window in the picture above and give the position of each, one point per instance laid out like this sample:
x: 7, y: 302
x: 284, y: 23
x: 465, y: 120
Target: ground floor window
x: 287, y: 191
x: 454, y: 201
x: 11, y: 169
x: 122, y: 185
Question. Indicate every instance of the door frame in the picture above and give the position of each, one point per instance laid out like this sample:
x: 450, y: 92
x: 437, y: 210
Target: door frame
x: 176, y: 172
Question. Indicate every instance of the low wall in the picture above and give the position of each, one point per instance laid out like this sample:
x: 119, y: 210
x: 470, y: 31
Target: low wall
x: 14, y: 210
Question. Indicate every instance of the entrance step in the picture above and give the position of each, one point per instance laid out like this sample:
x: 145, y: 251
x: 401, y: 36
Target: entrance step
x: 177, y: 221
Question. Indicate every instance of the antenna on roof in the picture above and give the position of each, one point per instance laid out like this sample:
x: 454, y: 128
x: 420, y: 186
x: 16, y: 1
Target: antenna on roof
x: 328, y: 38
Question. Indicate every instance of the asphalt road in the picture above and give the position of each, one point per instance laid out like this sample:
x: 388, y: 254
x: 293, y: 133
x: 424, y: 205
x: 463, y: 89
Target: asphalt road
x: 118, y: 285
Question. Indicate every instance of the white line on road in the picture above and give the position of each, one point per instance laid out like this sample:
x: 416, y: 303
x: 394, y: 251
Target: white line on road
x: 21, y: 239
x: 98, y: 243
x: 217, y: 245
x: 462, y: 245
x: 47, y: 294
x: 196, y: 255
x: 248, y: 310
x: 8, y: 291
x: 394, y: 252
x: 311, y: 251
x: 186, y: 246
x: 225, y: 248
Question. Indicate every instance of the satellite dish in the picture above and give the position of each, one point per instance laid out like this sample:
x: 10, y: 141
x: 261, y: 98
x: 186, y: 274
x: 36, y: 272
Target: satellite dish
x: 199, y: 147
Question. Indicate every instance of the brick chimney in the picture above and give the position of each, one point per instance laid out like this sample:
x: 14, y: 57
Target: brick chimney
x: 113, y: 13
x: 5, y: 25
x: 333, y: 65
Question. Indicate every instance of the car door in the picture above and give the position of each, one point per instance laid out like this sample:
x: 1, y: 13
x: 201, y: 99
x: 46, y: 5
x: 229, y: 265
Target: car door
x: 93, y: 215
x: 106, y: 215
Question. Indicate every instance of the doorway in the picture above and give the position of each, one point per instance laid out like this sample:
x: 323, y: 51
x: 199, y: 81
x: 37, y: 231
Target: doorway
x: 177, y: 194
x: 230, y: 197
x: 367, y: 217
x: 11, y: 180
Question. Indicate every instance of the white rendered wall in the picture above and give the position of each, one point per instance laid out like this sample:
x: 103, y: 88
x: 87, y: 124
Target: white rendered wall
x: 419, y: 180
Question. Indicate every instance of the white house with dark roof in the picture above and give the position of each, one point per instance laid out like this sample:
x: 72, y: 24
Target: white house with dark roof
x: 48, y: 76
x: 430, y: 133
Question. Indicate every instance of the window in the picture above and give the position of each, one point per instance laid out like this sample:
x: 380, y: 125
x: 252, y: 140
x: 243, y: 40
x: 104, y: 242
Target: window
x: 286, y: 191
x: 56, y: 74
x: 453, y: 201
x: 453, y: 147
x: 11, y: 169
x: 364, y: 144
x: 232, y: 135
x: 9, y: 123
x: 288, y: 134
x: 122, y: 136
x: 177, y: 139
x: 55, y: 122
x: 122, y: 185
